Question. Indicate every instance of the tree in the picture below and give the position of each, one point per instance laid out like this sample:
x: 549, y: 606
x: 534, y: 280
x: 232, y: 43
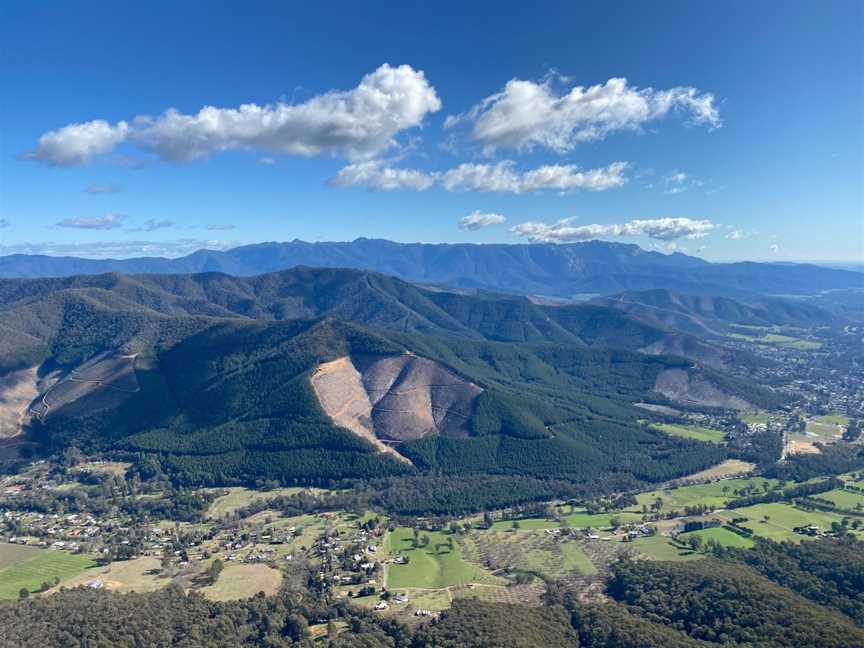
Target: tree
x: 214, y: 570
x: 615, y: 522
x: 695, y: 542
x: 23, y: 593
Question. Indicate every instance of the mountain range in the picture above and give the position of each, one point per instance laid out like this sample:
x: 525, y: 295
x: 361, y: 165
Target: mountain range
x: 314, y: 374
x: 552, y: 270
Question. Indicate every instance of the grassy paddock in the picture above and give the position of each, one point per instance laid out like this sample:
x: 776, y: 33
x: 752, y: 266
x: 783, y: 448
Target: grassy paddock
x: 694, y: 432
x: 243, y: 581
x: 434, y: 566
x: 720, y: 535
x: 42, y: 567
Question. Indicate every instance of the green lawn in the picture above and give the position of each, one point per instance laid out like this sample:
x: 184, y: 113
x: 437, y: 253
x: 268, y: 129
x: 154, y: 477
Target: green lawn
x: 430, y: 567
x: 719, y: 534
x: 41, y: 567
x: 782, y: 519
x: 691, y: 432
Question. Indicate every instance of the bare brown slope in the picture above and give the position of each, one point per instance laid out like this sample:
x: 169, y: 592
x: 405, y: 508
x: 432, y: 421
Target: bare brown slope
x: 391, y: 399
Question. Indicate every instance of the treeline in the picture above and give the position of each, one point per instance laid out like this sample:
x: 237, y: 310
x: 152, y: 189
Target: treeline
x: 832, y: 459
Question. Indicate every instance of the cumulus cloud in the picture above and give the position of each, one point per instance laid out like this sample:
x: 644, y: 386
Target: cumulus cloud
x: 774, y: 248
x: 78, y: 143
x: 376, y: 177
x: 103, y: 188
x: 734, y: 235
x: 354, y: 124
x: 220, y: 227
x: 661, y: 229
x: 107, y: 222
x: 527, y: 114
x: 478, y: 220
x: 118, y: 249
x: 502, y: 177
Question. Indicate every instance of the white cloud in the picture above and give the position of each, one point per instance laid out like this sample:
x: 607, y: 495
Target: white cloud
x: 104, y: 188
x: 220, y: 227
x: 734, y: 235
x: 376, y: 177
x: 774, y: 248
x: 78, y: 143
x: 266, y: 161
x: 478, y: 220
x: 503, y: 177
x: 661, y: 229
x: 527, y: 114
x: 355, y: 124
x: 118, y: 249
x: 107, y: 222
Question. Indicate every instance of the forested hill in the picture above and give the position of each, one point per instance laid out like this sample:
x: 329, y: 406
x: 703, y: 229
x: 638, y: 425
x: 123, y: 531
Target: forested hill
x: 114, y: 310
x: 704, y: 315
x: 562, y: 270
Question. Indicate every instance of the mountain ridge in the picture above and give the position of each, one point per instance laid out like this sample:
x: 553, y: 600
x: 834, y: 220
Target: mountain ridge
x: 554, y: 270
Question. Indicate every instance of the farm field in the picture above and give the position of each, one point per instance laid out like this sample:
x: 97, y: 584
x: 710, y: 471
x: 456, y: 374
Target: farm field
x: 530, y: 550
x: 658, y: 547
x: 694, y: 432
x: 756, y: 418
x: 581, y: 519
x: 11, y: 554
x: 720, y: 535
x: 728, y: 468
x: 525, y: 523
x: 831, y: 426
x: 782, y: 518
x: 844, y: 499
x: 42, y: 567
x: 243, y: 581
x: 138, y: 575
x: 434, y: 566
x: 714, y: 494
x: 239, y: 497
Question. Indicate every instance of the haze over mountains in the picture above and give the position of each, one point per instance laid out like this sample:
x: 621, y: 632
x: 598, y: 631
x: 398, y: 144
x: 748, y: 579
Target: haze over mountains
x: 553, y: 270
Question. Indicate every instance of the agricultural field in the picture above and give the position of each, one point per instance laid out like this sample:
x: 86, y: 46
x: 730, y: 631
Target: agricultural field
x: 756, y: 418
x: 582, y: 519
x: 720, y: 535
x: 844, y: 499
x: 11, y: 554
x: 713, y: 494
x: 828, y: 427
x: 38, y: 568
x: 695, y: 432
x: 660, y: 547
x: 435, y: 566
x: 239, y: 497
x: 728, y: 468
x: 532, y: 551
x: 525, y: 523
x: 243, y: 581
x: 138, y: 575
x: 781, y: 519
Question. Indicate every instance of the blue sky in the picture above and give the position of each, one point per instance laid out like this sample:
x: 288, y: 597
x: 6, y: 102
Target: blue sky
x: 730, y: 131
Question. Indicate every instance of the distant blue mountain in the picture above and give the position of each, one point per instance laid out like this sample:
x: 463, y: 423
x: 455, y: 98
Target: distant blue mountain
x: 559, y: 271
